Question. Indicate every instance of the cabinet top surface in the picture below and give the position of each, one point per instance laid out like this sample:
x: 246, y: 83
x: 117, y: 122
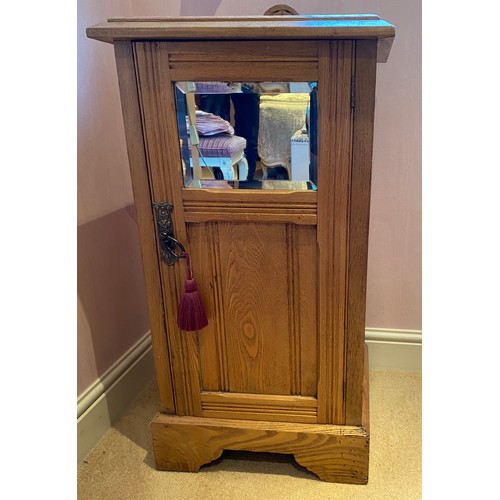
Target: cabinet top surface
x: 356, y: 26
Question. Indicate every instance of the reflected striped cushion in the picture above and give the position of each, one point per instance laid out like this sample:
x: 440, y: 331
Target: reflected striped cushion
x: 221, y: 145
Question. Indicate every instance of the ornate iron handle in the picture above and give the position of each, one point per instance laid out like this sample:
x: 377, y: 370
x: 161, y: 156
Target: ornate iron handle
x: 168, y: 243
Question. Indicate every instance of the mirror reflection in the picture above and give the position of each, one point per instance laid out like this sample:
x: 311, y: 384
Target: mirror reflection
x: 250, y: 135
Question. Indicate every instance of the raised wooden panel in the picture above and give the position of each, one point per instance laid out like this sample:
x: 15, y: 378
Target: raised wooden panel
x: 259, y: 285
x: 255, y: 283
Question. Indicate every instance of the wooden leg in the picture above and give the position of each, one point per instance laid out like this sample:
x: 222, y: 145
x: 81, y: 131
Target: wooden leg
x: 227, y: 169
x: 338, y: 462
x: 180, y: 445
x: 242, y: 169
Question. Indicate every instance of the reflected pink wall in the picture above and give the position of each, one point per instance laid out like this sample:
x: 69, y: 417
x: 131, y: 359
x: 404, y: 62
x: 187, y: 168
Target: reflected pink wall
x: 112, y: 313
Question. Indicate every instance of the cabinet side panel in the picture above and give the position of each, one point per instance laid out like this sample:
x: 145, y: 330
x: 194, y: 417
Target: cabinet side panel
x: 147, y: 232
x: 334, y: 165
x: 365, y: 72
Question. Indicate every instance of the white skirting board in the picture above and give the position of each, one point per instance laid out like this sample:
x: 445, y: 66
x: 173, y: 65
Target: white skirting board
x: 101, y: 405
x: 394, y: 349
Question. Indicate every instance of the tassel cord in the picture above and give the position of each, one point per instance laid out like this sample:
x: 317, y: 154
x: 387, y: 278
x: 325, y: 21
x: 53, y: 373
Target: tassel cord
x: 185, y: 255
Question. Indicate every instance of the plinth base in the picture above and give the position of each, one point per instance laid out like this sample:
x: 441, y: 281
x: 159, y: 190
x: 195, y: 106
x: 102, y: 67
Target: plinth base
x: 334, y: 453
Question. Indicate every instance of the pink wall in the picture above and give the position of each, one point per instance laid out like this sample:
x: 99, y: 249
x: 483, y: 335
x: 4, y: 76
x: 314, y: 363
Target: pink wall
x: 112, y: 312
x: 112, y: 309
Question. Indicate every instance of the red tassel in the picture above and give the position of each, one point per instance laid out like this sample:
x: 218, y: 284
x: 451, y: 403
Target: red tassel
x: 191, y: 314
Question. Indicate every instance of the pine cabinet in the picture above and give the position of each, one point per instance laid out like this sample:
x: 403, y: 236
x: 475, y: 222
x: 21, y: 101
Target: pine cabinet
x: 277, y: 245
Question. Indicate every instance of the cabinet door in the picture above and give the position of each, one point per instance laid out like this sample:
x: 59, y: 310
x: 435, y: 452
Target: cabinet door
x: 270, y: 257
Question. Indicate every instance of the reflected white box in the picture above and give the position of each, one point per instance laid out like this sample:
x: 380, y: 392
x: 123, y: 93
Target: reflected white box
x: 300, y: 156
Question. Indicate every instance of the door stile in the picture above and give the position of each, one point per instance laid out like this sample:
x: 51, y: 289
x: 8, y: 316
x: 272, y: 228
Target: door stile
x: 334, y: 170
x: 163, y: 155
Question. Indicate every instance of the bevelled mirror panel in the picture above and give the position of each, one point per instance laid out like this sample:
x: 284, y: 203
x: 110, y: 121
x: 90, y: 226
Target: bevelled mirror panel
x: 251, y: 135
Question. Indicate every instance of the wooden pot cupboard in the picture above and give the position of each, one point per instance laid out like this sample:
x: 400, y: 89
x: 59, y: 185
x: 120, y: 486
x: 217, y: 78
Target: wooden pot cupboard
x: 278, y: 248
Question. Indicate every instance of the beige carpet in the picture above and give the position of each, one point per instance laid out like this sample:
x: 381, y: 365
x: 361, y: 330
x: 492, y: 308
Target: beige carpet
x: 121, y: 466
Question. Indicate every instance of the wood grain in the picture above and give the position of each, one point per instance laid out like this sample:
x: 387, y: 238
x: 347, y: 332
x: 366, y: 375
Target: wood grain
x: 282, y: 206
x: 282, y: 365
x: 259, y: 291
x: 145, y: 222
x: 213, y: 350
x: 277, y: 61
x: 293, y: 289
x: 258, y: 27
x: 334, y: 158
x: 359, y: 218
x: 160, y: 128
x: 334, y: 453
x: 224, y: 214
x: 237, y: 71
x: 277, y: 198
x: 259, y: 407
x: 252, y: 254
x: 248, y: 51
x: 305, y: 278
x: 254, y: 280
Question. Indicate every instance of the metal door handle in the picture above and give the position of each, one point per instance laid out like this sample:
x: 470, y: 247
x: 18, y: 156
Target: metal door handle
x: 168, y: 243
